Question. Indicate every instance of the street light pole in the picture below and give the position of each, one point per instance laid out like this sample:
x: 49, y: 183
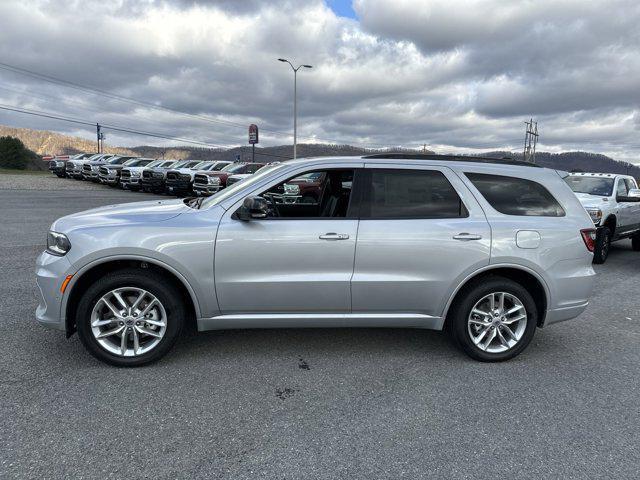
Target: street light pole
x: 295, y: 102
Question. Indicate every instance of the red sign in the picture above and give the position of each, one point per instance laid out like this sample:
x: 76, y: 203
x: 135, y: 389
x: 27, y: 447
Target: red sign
x: 253, y: 134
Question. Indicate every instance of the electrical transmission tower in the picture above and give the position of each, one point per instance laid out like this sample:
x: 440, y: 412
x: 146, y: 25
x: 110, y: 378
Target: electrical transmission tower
x: 530, y: 141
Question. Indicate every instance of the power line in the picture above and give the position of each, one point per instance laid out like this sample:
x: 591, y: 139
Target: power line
x: 122, y: 98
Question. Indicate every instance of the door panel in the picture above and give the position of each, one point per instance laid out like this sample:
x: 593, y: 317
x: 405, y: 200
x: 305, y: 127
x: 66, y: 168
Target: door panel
x: 412, y: 265
x: 284, y: 265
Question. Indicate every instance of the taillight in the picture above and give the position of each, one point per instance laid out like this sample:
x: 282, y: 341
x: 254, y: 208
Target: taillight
x: 589, y: 238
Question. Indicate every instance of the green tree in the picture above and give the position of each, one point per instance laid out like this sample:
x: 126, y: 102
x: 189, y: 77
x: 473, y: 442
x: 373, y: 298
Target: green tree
x: 13, y: 153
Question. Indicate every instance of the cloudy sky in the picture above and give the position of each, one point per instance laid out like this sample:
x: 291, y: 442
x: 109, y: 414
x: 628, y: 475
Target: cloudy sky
x: 457, y: 75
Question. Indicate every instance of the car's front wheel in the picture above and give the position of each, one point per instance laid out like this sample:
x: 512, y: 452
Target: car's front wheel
x: 128, y: 318
x: 493, y: 320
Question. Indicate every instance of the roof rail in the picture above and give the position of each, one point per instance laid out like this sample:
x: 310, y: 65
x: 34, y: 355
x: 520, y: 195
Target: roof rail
x: 450, y: 158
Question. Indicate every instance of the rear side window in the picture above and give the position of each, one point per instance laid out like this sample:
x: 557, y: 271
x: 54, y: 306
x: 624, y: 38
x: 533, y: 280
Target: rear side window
x: 516, y: 196
x: 403, y: 193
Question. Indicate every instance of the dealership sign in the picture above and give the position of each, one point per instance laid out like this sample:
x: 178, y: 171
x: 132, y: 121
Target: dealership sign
x: 253, y: 134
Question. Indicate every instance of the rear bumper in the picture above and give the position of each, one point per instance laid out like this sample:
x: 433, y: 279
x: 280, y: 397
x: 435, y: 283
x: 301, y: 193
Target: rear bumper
x: 565, y: 313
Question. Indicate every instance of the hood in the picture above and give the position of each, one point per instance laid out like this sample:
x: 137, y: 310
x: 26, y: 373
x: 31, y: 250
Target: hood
x: 592, y: 201
x: 123, y: 214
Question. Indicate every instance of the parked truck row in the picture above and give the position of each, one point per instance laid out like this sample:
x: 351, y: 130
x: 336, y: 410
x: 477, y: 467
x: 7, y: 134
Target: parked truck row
x: 173, y: 177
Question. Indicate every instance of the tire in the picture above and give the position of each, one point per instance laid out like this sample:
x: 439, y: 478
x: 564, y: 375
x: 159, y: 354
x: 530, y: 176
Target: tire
x: 603, y: 245
x: 635, y: 243
x: 462, y: 324
x: 170, y: 311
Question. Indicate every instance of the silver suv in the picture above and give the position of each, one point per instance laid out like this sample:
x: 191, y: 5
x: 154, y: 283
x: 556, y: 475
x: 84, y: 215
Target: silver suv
x: 485, y: 249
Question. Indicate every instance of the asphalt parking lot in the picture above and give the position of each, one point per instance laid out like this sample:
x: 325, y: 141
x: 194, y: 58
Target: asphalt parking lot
x: 293, y: 404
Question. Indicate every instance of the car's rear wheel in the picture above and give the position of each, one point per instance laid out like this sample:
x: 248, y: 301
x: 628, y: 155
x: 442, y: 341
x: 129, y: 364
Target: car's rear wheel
x: 603, y: 244
x: 493, y: 320
x: 129, y: 319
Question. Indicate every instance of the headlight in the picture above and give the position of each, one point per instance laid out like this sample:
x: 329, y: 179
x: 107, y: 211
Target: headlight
x: 57, y: 244
x: 291, y: 189
x: 214, y: 180
x: 595, y: 214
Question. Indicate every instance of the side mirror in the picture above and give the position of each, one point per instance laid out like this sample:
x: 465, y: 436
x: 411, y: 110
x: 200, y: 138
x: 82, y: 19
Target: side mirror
x: 634, y: 192
x: 253, y: 207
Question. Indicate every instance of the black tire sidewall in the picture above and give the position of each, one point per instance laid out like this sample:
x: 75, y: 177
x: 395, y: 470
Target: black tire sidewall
x: 165, y: 292
x: 458, y: 319
x: 604, y: 235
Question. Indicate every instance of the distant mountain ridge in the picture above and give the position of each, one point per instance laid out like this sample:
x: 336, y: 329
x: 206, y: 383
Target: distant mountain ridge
x: 50, y: 143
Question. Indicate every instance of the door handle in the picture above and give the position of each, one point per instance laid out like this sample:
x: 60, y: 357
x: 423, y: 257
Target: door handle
x: 334, y: 236
x: 465, y: 237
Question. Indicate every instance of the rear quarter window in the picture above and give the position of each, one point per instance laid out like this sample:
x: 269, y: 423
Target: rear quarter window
x: 516, y: 196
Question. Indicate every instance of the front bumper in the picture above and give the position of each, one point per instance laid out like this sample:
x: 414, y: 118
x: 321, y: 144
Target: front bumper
x: 109, y: 180
x: 153, y: 183
x: 178, y: 187
x: 50, y: 273
x: 206, y: 189
x: 58, y: 170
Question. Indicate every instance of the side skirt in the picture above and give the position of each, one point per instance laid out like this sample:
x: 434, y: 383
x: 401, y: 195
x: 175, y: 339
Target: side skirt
x: 320, y: 320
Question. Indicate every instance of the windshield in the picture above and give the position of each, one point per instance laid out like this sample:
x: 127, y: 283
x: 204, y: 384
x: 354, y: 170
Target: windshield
x: 137, y: 162
x: 602, y: 187
x: 219, y: 166
x: 117, y: 160
x: 201, y: 166
x: 170, y: 163
x: 247, y: 183
x: 232, y: 167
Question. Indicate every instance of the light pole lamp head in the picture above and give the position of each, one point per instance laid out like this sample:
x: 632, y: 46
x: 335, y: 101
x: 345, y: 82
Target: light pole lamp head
x: 282, y: 59
x: 307, y: 66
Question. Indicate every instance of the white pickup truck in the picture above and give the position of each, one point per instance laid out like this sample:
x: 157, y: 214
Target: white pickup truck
x: 613, y: 202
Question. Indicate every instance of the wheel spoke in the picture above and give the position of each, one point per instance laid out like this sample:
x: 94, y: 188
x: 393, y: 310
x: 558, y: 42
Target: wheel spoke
x: 514, y: 319
x: 501, y: 301
x: 120, y: 300
x: 490, y: 338
x: 155, y: 323
x: 148, y: 331
x: 110, y: 306
x: 514, y: 309
x: 478, y: 322
x: 503, y: 340
x: 510, y: 334
x: 136, y: 342
x: 481, y: 335
x: 480, y: 312
x: 138, y: 300
x: 492, y: 302
x: 102, y: 323
x: 108, y: 333
x: 149, y: 306
x: 123, y: 342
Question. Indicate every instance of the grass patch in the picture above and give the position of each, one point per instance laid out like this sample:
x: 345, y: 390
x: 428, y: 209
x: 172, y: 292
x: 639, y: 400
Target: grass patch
x: 23, y: 172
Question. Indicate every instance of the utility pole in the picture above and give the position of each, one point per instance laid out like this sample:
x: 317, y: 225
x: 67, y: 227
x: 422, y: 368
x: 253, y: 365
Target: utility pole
x: 98, y: 135
x: 530, y: 141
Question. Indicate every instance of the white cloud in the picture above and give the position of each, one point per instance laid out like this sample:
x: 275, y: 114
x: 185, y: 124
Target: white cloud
x: 457, y: 75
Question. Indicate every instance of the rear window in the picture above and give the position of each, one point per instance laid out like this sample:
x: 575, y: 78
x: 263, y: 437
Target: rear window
x: 410, y: 194
x: 516, y: 196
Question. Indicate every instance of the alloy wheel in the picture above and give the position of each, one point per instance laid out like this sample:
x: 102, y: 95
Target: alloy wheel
x: 128, y: 321
x: 497, y: 322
